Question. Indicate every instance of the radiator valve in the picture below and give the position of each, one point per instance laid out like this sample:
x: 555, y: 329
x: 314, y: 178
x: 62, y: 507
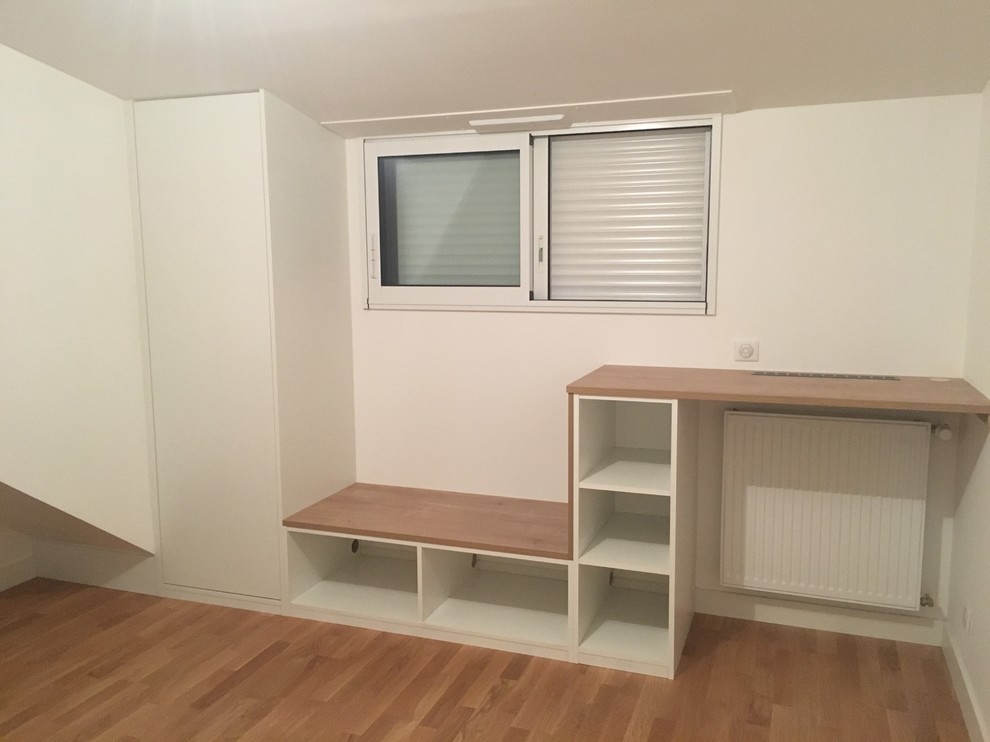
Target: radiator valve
x: 926, y: 601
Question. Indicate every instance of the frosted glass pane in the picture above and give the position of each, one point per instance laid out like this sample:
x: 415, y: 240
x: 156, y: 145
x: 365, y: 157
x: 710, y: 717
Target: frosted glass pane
x: 450, y: 219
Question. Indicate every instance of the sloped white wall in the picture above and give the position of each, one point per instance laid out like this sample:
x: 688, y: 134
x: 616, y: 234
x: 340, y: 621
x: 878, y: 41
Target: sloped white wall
x: 13, y: 546
x: 16, y: 558
x: 971, y: 556
x: 844, y: 246
x: 73, y: 429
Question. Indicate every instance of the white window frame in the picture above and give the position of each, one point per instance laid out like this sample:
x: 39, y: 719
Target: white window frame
x: 420, y: 297
x: 532, y: 293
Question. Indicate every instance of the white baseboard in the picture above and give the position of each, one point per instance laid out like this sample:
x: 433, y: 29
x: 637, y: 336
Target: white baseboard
x: 976, y: 720
x: 89, y: 565
x: 18, y: 571
x: 228, y: 600
x: 920, y: 629
x: 426, y: 631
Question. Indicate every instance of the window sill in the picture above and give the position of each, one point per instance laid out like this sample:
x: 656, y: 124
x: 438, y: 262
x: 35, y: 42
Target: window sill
x: 559, y: 307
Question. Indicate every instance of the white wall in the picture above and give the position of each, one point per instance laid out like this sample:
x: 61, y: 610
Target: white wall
x: 13, y: 546
x: 970, y: 578
x: 73, y: 427
x: 845, y: 240
x: 16, y: 558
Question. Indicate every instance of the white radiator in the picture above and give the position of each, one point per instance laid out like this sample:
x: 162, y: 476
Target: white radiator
x: 825, y: 507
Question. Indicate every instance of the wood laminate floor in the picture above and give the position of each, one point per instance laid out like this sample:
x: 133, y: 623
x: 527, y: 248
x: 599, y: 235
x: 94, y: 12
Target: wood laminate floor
x: 86, y: 663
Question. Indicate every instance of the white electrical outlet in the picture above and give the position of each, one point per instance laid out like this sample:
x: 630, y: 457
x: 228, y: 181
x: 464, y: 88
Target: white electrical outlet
x: 966, y: 616
x: 746, y: 350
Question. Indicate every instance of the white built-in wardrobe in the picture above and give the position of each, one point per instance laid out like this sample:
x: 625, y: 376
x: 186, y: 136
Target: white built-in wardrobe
x: 243, y: 223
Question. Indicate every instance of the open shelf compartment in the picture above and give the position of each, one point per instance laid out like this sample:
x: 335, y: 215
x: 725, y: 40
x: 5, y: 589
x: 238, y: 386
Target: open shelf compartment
x: 377, y: 580
x: 498, y: 597
x: 627, y: 619
x: 624, y: 531
x: 624, y: 445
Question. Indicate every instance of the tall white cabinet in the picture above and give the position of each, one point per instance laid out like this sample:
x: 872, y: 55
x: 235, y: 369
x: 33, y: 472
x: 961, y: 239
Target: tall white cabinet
x: 244, y: 236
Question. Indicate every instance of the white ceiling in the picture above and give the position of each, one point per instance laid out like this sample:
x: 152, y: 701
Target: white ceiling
x: 360, y: 59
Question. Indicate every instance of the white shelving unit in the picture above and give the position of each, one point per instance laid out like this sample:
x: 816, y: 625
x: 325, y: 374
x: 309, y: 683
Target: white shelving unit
x: 482, y: 598
x: 619, y: 595
x: 633, y: 531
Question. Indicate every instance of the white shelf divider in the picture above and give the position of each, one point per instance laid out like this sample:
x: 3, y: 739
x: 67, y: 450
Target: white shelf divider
x: 636, y: 470
x: 631, y: 541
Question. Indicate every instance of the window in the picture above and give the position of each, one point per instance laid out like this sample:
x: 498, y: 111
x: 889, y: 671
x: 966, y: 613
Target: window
x: 598, y: 220
x: 448, y: 220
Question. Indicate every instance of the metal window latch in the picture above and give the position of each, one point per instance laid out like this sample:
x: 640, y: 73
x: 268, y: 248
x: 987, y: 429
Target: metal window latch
x: 539, y: 249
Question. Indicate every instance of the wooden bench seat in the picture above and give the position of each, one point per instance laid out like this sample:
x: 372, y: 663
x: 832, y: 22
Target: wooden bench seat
x: 482, y: 522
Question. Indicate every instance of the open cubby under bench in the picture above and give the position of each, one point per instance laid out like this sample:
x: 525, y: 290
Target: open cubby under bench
x: 474, y: 568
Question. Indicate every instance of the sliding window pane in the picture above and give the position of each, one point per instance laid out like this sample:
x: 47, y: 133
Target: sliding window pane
x: 450, y: 219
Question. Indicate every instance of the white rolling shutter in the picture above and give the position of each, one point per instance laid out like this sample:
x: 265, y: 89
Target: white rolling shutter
x: 629, y: 216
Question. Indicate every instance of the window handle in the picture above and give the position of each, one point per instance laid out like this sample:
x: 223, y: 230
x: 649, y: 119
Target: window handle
x: 374, y: 256
x: 539, y: 250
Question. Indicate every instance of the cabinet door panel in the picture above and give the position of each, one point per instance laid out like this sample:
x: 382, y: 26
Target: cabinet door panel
x: 203, y: 213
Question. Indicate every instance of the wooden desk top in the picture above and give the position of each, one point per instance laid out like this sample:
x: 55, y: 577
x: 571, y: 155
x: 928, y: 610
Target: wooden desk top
x: 905, y: 393
x: 482, y: 522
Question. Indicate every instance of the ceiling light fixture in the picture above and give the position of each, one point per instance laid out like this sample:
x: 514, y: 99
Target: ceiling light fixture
x: 517, y: 120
